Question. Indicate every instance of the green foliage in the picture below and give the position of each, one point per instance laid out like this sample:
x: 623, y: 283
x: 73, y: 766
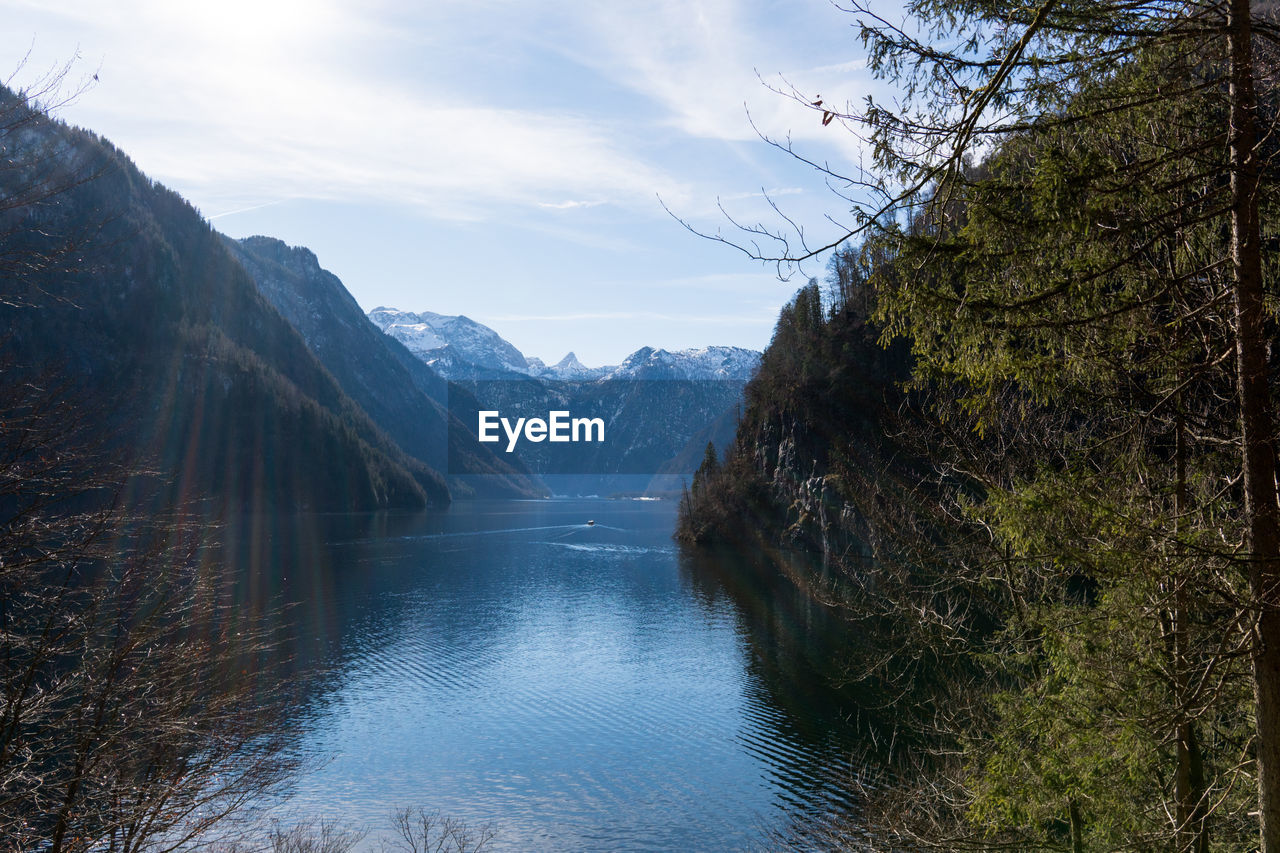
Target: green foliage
x: 1073, y: 738
x: 708, y: 470
x: 1050, y: 515
x: 1081, y: 282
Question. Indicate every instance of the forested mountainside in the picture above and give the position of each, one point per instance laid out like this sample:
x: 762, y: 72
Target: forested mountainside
x: 815, y: 425
x: 121, y: 299
x: 1012, y: 423
x: 401, y: 393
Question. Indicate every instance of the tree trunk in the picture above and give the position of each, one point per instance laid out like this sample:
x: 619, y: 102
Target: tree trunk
x: 1257, y: 421
x: 1189, y: 793
x: 1077, y: 826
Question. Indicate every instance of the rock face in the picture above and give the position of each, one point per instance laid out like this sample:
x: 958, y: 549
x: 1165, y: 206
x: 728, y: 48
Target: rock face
x: 812, y: 512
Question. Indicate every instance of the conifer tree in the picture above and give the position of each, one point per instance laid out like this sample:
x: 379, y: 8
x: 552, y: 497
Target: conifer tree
x: 1059, y: 253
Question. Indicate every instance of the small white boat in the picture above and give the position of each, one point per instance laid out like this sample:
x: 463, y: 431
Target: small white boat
x: 590, y: 521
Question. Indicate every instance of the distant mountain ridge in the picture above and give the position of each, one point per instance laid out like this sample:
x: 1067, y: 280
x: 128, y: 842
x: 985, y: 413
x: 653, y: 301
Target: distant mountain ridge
x: 660, y: 408
x: 703, y: 363
x: 458, y: 347
x: 566, y: 368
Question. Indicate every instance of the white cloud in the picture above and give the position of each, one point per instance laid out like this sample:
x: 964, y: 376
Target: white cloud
x: 709, y: 62
x: 237, y: 103
x: 452, y: 107
x: 767, y: 193
x: 568, y: 205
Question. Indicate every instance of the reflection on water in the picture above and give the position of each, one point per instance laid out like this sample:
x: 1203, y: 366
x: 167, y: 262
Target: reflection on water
x: 579, y: 686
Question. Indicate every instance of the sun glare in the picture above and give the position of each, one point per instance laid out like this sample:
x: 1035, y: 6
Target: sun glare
x: 241, y: 27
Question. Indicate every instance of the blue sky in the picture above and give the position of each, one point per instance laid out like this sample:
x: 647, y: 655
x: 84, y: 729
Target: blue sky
x: 502, y: 159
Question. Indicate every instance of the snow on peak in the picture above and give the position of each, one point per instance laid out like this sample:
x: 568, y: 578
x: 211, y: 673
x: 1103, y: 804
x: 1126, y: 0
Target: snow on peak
x: 701, y: 363
x: 571, y: 368
x: 442, y: 340
x: 458, y: 346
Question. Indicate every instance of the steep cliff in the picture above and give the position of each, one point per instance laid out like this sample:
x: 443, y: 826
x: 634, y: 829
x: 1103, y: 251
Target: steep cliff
x: 815, y: 435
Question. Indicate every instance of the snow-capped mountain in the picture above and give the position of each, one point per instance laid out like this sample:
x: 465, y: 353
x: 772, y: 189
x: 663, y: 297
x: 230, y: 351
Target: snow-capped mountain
x: 450, y: 344
x: 460, y: 348
x: 649, y: 363
x: 659, y: 407
x: 702, y: 363
x: 403, y: 396
x: 569, y: 368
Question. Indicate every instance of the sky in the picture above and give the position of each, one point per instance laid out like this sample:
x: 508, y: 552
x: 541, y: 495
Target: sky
x: 510, y: 160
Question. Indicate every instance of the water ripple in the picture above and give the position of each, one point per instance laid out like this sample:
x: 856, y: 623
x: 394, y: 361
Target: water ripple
x: 578, y: 693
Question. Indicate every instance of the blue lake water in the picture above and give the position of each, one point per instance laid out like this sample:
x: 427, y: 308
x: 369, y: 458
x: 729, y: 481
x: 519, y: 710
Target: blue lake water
x: 577, y: 687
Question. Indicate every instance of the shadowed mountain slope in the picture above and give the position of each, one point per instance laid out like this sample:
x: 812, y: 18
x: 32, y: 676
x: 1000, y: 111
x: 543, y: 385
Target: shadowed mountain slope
x: 116, y: 290
x: 410, y: 408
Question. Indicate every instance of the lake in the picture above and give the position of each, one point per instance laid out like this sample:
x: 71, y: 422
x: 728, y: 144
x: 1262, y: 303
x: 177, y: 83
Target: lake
x: 577, y: 686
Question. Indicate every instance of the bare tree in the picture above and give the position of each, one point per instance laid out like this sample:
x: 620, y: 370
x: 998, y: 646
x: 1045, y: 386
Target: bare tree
x: 421, y: 831
x: 325, y: 836
x: 139, y: 709
x: 37, y: 169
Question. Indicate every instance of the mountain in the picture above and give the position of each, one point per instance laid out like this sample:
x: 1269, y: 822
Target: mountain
x: 365, y: 362
x: 727, y: 363
x: 719, y: 433
x: 451, y: 345
x: 826, y: 440
x: 567, y: 368
x: 118, y: 297
x: 659, y: 408
x: 458, y: 347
